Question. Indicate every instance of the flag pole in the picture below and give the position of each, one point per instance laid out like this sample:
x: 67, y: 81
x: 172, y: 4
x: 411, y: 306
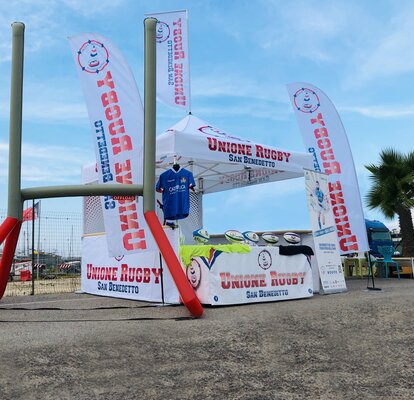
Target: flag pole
x: 38, y: 239
x: 26, y: 250
x: 188, y: 60
x: 371, y: 272
x: 33, y: 241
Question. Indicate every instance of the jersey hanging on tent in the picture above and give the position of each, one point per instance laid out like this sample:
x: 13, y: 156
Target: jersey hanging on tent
x: 175, y: 187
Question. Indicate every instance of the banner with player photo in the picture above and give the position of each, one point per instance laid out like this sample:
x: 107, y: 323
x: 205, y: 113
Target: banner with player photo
x: 324, y: 232
x: 117, y: 121
x: 325, y: 138
x: 259, y: 276
x: 173, y: 67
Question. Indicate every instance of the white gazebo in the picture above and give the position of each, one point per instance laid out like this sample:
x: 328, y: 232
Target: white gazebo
x: 221, y: 161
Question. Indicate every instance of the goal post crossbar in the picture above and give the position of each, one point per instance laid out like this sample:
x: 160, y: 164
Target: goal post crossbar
x: 43, y: 192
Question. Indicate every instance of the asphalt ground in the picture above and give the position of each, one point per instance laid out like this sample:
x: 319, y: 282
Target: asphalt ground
x: 354, y: 345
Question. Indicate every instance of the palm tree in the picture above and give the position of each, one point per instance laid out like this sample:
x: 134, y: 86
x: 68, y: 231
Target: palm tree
x: 393, y: 192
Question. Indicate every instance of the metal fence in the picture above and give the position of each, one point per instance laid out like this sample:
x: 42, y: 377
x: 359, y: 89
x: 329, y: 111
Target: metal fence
x: 48, y: 253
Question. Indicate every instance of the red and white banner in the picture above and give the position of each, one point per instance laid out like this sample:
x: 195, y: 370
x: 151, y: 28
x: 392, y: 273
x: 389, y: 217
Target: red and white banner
x: 324, y: 232
x: 173, y: 68
x: 116, y: 115
x: 259, y: 276
x: 325, y: 138
x: 135, y: 276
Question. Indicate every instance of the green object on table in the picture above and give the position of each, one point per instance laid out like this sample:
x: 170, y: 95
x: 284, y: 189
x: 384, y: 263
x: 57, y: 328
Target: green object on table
x: 203, y: 250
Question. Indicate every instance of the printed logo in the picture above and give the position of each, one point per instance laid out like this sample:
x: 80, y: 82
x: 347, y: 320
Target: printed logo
x: 162, y: 33
x: 93, y: 57
x: 209, y: 130
x: 209, y: 262
x: 119, y: 258
x: 183, y: 179
x: 306, y: 100
x: 265, y: 259
x: 194, y: 273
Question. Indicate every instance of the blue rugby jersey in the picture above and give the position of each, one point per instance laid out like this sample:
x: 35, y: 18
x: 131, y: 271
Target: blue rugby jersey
x: 175, y: 186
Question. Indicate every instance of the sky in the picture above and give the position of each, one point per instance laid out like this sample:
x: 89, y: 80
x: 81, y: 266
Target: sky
x: 242, y: 54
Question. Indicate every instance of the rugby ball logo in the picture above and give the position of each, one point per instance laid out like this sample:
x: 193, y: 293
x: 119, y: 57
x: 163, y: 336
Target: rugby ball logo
x: 194, y: 273
x: 93, y: 57
x: 163, y: 32
x: 251, y: 238
x: 270, y: 238
x: 201, y: 236
x: 234, y: 236
x: 291, y: 237
x: 306, y: 100
x: 265, y: 259
x: 211, y: 131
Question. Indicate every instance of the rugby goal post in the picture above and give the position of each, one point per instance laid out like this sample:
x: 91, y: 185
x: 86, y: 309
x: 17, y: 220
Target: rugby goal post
x: 10, y: 228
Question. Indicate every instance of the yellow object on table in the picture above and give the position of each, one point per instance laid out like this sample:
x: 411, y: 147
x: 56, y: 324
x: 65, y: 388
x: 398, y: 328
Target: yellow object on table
x: 203, y: 250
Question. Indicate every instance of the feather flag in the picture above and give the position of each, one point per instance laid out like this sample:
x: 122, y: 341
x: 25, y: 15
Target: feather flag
x: 325, y: 138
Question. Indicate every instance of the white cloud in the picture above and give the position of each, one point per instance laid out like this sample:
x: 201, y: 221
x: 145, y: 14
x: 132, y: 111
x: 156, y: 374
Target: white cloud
x: 51, y: 111
x: 42, y: 163
x: 55, y: 112
x: 55, y: 153
x: 267, y: 111
x: 304, y: 29
x: 47, y: 176
x: 231, y: 93
x: 386, y: 50
x: 39, y: 20
x: 226, y: 83
x: 91, y: 8
x: 394, y: 53
x: 381, y: 111
x: 45, y: 20
x: 53, y: 100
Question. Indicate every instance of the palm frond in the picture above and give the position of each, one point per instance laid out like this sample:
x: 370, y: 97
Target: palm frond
x: 392, y: 182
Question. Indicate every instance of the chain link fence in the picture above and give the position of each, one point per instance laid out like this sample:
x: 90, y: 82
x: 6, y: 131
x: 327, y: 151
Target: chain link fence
x: 48, y: 254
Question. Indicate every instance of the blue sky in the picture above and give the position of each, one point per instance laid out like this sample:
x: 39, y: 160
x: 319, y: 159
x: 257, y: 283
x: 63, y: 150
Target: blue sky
x: 242, y: 53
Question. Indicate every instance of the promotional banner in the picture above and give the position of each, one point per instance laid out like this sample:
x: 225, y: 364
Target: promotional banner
x: 324, y: 232
x: 116, y: 115
x: 173, y: 68
x: 231, y: 161
x: 135, y: 276
x: 325, y: 138
x: 259, y: 276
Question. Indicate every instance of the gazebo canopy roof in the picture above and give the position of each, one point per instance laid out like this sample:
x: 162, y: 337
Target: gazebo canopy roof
x: 220, y: 161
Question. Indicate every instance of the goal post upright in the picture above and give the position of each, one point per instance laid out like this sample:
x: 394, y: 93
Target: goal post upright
x: 186, y: 291
x: 10, y: 228
x: 15, y: 202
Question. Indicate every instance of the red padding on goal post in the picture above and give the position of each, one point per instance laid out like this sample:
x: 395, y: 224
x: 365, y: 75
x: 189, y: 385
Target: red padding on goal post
x: 188, y: 296
x: 8, y: 255
x: 6, y: 227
